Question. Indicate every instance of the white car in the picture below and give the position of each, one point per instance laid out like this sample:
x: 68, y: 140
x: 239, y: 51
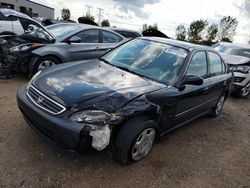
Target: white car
x: 237, y: 56
x: 14, y: 22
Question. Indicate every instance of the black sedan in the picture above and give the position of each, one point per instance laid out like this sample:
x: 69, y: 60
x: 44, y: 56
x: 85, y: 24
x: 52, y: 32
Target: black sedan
x: 127, y: 98
x: 61, y: 43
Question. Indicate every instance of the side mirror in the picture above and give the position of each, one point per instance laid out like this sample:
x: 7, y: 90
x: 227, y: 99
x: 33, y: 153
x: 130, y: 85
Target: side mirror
x: 192, y: 80
x: 74, y: 39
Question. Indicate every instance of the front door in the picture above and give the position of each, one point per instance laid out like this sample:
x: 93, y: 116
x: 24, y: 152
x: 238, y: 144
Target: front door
x: 193, y: 100
x: 89, y: 46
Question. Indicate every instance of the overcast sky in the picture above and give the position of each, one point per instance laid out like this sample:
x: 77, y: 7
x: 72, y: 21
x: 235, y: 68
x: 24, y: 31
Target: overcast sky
x: 168, y: 14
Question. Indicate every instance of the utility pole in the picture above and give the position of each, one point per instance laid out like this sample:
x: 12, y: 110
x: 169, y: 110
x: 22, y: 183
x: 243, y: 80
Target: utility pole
x: 88, y: 9
x: 99, y: 15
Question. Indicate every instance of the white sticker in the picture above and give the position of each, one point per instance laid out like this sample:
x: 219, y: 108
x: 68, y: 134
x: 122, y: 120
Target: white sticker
x: 176, y: 52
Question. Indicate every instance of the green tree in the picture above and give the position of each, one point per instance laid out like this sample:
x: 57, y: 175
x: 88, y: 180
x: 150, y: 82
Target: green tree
x: 227, y: 27
x: 89, y: 16
x: 195, y: 30
x: 180, y: 32
x: 212, y: 32
x: 155, y: 26
x: 65, y: 13
x: 145, y: 27
x: 105, y: 23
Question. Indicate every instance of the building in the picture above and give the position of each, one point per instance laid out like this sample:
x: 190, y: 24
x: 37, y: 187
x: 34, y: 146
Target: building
x: 29, y: 7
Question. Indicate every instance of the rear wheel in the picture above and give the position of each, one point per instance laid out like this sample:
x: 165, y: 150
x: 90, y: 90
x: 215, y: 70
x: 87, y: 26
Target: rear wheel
x: 135, y: 140
x: 219, y: 106
x: 44, y: 63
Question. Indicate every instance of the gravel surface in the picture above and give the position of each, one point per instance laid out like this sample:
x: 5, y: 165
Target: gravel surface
x: 205, y: 153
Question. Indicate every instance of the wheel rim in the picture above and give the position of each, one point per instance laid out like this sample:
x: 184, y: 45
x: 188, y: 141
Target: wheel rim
x: 45, y: 64
x: 246, y: 90
x: 219, y: 105
x: 143, y: 144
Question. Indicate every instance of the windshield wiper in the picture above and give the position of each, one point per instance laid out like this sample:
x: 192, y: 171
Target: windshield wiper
x: 104, y: 60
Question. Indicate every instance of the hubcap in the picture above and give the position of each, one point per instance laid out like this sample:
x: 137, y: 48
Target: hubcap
x: 45, y: 64
x: 220, y: 105
x: 246, y: 90
x: 143, y: 144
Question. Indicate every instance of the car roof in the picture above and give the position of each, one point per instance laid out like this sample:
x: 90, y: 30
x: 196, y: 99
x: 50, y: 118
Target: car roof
x: 234, y: 45
x: 121, y: 29
x: 84, y: 26
x: 182, y: 44
x: 9, y: 12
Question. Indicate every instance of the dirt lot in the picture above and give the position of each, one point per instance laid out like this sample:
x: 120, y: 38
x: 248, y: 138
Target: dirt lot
x: 205, y: 153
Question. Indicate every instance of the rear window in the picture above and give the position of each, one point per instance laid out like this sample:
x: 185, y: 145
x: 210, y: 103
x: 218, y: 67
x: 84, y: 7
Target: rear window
x: 108, y: 37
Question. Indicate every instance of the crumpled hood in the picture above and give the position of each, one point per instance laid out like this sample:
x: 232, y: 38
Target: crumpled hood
x: 235, y: 59
x: 92, y: 83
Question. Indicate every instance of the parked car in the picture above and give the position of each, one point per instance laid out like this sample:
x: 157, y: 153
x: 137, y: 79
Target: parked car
x: 14, y: 23
x: 127, y: 33
x: 128, y: 97
x: 237, y: 56
x: 65, y: 42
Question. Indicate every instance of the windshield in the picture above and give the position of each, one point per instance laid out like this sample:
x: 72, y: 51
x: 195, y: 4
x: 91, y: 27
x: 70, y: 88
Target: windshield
x: 233, y: 50
x: 61, y: 30
x: 41, y: 34
x: 153, y: 60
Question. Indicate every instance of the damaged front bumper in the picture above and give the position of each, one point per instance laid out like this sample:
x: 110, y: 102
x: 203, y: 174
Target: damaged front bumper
x: 60, y: 130
x: 13, y: 62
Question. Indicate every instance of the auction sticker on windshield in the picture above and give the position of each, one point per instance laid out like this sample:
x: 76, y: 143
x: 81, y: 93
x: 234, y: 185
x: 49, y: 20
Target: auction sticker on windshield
x: 176, y: 52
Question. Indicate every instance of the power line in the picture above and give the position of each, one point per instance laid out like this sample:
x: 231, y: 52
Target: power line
x: 99, y: 15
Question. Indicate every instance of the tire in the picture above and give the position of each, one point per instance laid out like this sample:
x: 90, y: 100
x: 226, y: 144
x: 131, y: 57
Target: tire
x: 219, y: 106
x: 244, y: 92
x: 135, y: 140
x: 47, y: 61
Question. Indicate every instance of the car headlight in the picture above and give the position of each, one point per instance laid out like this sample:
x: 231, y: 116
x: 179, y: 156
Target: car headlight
x: 243, y: 69
x: 25, y: 47
x: 32, y: 79
x: 96, y: 117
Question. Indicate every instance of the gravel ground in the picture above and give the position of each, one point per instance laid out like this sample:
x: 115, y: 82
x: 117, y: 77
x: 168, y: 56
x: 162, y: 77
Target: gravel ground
x: 205, y: 153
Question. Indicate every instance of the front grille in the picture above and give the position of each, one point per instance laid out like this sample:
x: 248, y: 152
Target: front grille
x: 44, y: 102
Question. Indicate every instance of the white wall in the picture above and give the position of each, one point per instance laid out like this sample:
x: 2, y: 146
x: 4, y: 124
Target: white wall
x: 36, y: 8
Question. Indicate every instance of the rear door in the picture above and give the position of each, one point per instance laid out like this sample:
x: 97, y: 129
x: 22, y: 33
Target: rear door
x: 217, y: 76
x: 193, y: 100
x: 89, y: 46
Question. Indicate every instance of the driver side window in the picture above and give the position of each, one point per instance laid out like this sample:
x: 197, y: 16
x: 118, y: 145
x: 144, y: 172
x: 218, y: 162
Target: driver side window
x: 198, y: 65
x: 89, y: 36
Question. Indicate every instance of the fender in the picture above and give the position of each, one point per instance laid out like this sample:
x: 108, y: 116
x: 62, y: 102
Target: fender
x: 54, y: 50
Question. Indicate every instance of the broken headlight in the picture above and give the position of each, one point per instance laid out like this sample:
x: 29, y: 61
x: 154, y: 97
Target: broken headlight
x: 24, y: 47
x: 243, y: 69
x: 93, y: 117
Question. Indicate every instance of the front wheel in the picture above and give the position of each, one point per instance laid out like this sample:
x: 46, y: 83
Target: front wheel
x: 44, y: 63
x: 244, y: 92
x: 135, y: 140
x: 218, y: 108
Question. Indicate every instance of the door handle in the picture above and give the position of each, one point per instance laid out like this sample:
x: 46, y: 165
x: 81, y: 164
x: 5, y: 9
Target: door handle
x: 205, y: 90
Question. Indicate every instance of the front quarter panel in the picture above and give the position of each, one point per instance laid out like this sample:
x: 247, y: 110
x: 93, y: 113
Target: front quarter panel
x: 57, y: 50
